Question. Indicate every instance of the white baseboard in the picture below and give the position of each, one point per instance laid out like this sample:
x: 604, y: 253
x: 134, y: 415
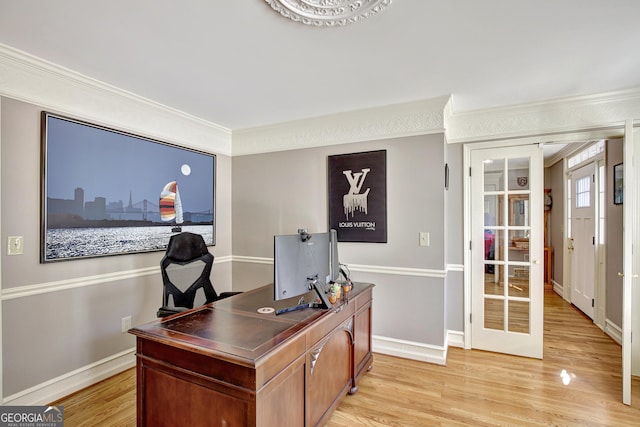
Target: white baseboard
x: 64, y: 385
x: 558, y: 288
x: 613, y: 330
x: 455, y: 339
x: 417, y: 351
x: 409, y: 350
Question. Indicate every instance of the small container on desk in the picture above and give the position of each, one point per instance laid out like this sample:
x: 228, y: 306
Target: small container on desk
x: 335, y: 292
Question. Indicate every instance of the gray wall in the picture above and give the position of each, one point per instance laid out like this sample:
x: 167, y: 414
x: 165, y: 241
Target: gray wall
x: 70, y: 329
x: 454, y: 229
x: 613, y: 236
x: 554, y: 179
x: 53, y: 333
x: 277, y: 193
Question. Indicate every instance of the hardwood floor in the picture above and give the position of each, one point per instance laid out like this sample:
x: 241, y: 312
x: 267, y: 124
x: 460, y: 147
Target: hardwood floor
x: 476, y: 388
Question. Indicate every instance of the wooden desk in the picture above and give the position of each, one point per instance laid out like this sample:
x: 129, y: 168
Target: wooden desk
x: 224, y: 364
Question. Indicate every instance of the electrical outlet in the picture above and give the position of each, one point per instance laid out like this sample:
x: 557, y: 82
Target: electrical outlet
x: 126, y: 323
x: 424, y: 238
x: 15, y: 245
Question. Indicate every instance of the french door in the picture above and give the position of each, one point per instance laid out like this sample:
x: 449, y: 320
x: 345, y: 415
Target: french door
x: 507, y: 297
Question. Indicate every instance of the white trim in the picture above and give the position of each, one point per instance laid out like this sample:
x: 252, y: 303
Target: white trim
x: 558, y: 288
x: 99, y: 279
x: 455, y: 267
x: 252, y: 259
x: 398, y: 271
x: 560, y: 115
x: 455, y: 339
x: 466, y: 242
x: 613, y: 330
x: 379, y: 269
x: 31, y: 79
x: 223, y: 259
x: 81, y: 282
x: 391, y: 121
x: 64, y: 385
x: 409, y: 350
x: 630, y: 220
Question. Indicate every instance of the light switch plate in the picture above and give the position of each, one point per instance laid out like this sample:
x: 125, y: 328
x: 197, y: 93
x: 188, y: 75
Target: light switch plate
x: 424, y: 238
x: 126, y: 323
x: 15, y: 245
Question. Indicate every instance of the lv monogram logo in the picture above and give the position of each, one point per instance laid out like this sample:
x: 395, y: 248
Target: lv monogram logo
x: 354, y: 200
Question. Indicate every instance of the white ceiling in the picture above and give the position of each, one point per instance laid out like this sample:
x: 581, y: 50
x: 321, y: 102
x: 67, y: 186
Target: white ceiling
x: 239, y: 64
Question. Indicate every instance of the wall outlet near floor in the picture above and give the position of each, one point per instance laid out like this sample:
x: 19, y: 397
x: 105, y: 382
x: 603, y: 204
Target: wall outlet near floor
x: 126, y: 324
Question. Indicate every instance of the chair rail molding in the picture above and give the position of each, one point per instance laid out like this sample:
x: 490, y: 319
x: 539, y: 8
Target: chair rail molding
x: 377, y: 269
x: 80, y: 282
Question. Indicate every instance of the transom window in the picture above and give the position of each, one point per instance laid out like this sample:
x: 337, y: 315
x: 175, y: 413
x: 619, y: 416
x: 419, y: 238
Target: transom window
x: 586, y: 154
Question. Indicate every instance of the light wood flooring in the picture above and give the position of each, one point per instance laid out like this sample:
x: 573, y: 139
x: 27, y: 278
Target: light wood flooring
x: 476, y: 388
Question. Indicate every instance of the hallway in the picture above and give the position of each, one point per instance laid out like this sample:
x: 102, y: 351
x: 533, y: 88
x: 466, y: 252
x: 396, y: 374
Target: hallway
x: 489, y: 389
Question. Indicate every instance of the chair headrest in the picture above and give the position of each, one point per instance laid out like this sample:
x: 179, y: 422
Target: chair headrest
x: 186, y: 246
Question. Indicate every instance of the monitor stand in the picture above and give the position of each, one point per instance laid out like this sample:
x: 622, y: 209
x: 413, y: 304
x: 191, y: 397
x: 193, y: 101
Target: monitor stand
x: 314, y: 283
x: 320, y: 290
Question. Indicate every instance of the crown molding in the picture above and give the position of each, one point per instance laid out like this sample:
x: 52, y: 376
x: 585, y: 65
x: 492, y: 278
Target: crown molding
x: 31, y: 79
x: 558, y: 115
x: 391, y: 121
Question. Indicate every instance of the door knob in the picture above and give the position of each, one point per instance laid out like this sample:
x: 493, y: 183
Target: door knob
x: 536, y: 261
x: 634, y: 276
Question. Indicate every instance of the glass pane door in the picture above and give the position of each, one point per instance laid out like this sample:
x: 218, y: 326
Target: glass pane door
x: 503, y: 195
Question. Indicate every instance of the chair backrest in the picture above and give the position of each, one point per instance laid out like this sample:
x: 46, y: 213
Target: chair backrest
x: 186, y: 269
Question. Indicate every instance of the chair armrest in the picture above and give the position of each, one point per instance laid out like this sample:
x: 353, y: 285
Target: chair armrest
x: 227, y: 294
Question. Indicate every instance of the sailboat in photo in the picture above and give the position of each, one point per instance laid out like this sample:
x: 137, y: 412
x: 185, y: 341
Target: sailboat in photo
x: 171, y: 206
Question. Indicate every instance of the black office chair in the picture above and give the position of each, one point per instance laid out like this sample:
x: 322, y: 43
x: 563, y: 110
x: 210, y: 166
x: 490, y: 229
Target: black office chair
x: 186, y: 267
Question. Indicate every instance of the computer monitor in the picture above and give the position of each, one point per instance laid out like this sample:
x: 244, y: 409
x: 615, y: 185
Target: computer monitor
x: 302, y: 263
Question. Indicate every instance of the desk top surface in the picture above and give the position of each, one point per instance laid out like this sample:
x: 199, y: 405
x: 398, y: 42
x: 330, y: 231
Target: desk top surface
x: 233, y: 326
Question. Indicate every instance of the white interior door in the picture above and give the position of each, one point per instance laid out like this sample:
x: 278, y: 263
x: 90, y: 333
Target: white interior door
x: 583, y: 232
x: 507, y: 250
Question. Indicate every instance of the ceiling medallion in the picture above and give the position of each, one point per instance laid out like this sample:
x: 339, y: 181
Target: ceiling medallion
x: 327, y: 13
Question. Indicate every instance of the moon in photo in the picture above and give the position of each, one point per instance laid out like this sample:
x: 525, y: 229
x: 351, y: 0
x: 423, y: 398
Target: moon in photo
x: 185, y: 169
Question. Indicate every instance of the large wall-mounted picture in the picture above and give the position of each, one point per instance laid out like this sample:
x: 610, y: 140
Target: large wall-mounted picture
x: 108, y: 192
x: 358, y: 196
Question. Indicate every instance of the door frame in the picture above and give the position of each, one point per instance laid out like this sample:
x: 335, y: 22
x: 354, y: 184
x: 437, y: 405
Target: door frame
x: 631, y: 267
x: 599, y: 315
x: 630, y: 130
